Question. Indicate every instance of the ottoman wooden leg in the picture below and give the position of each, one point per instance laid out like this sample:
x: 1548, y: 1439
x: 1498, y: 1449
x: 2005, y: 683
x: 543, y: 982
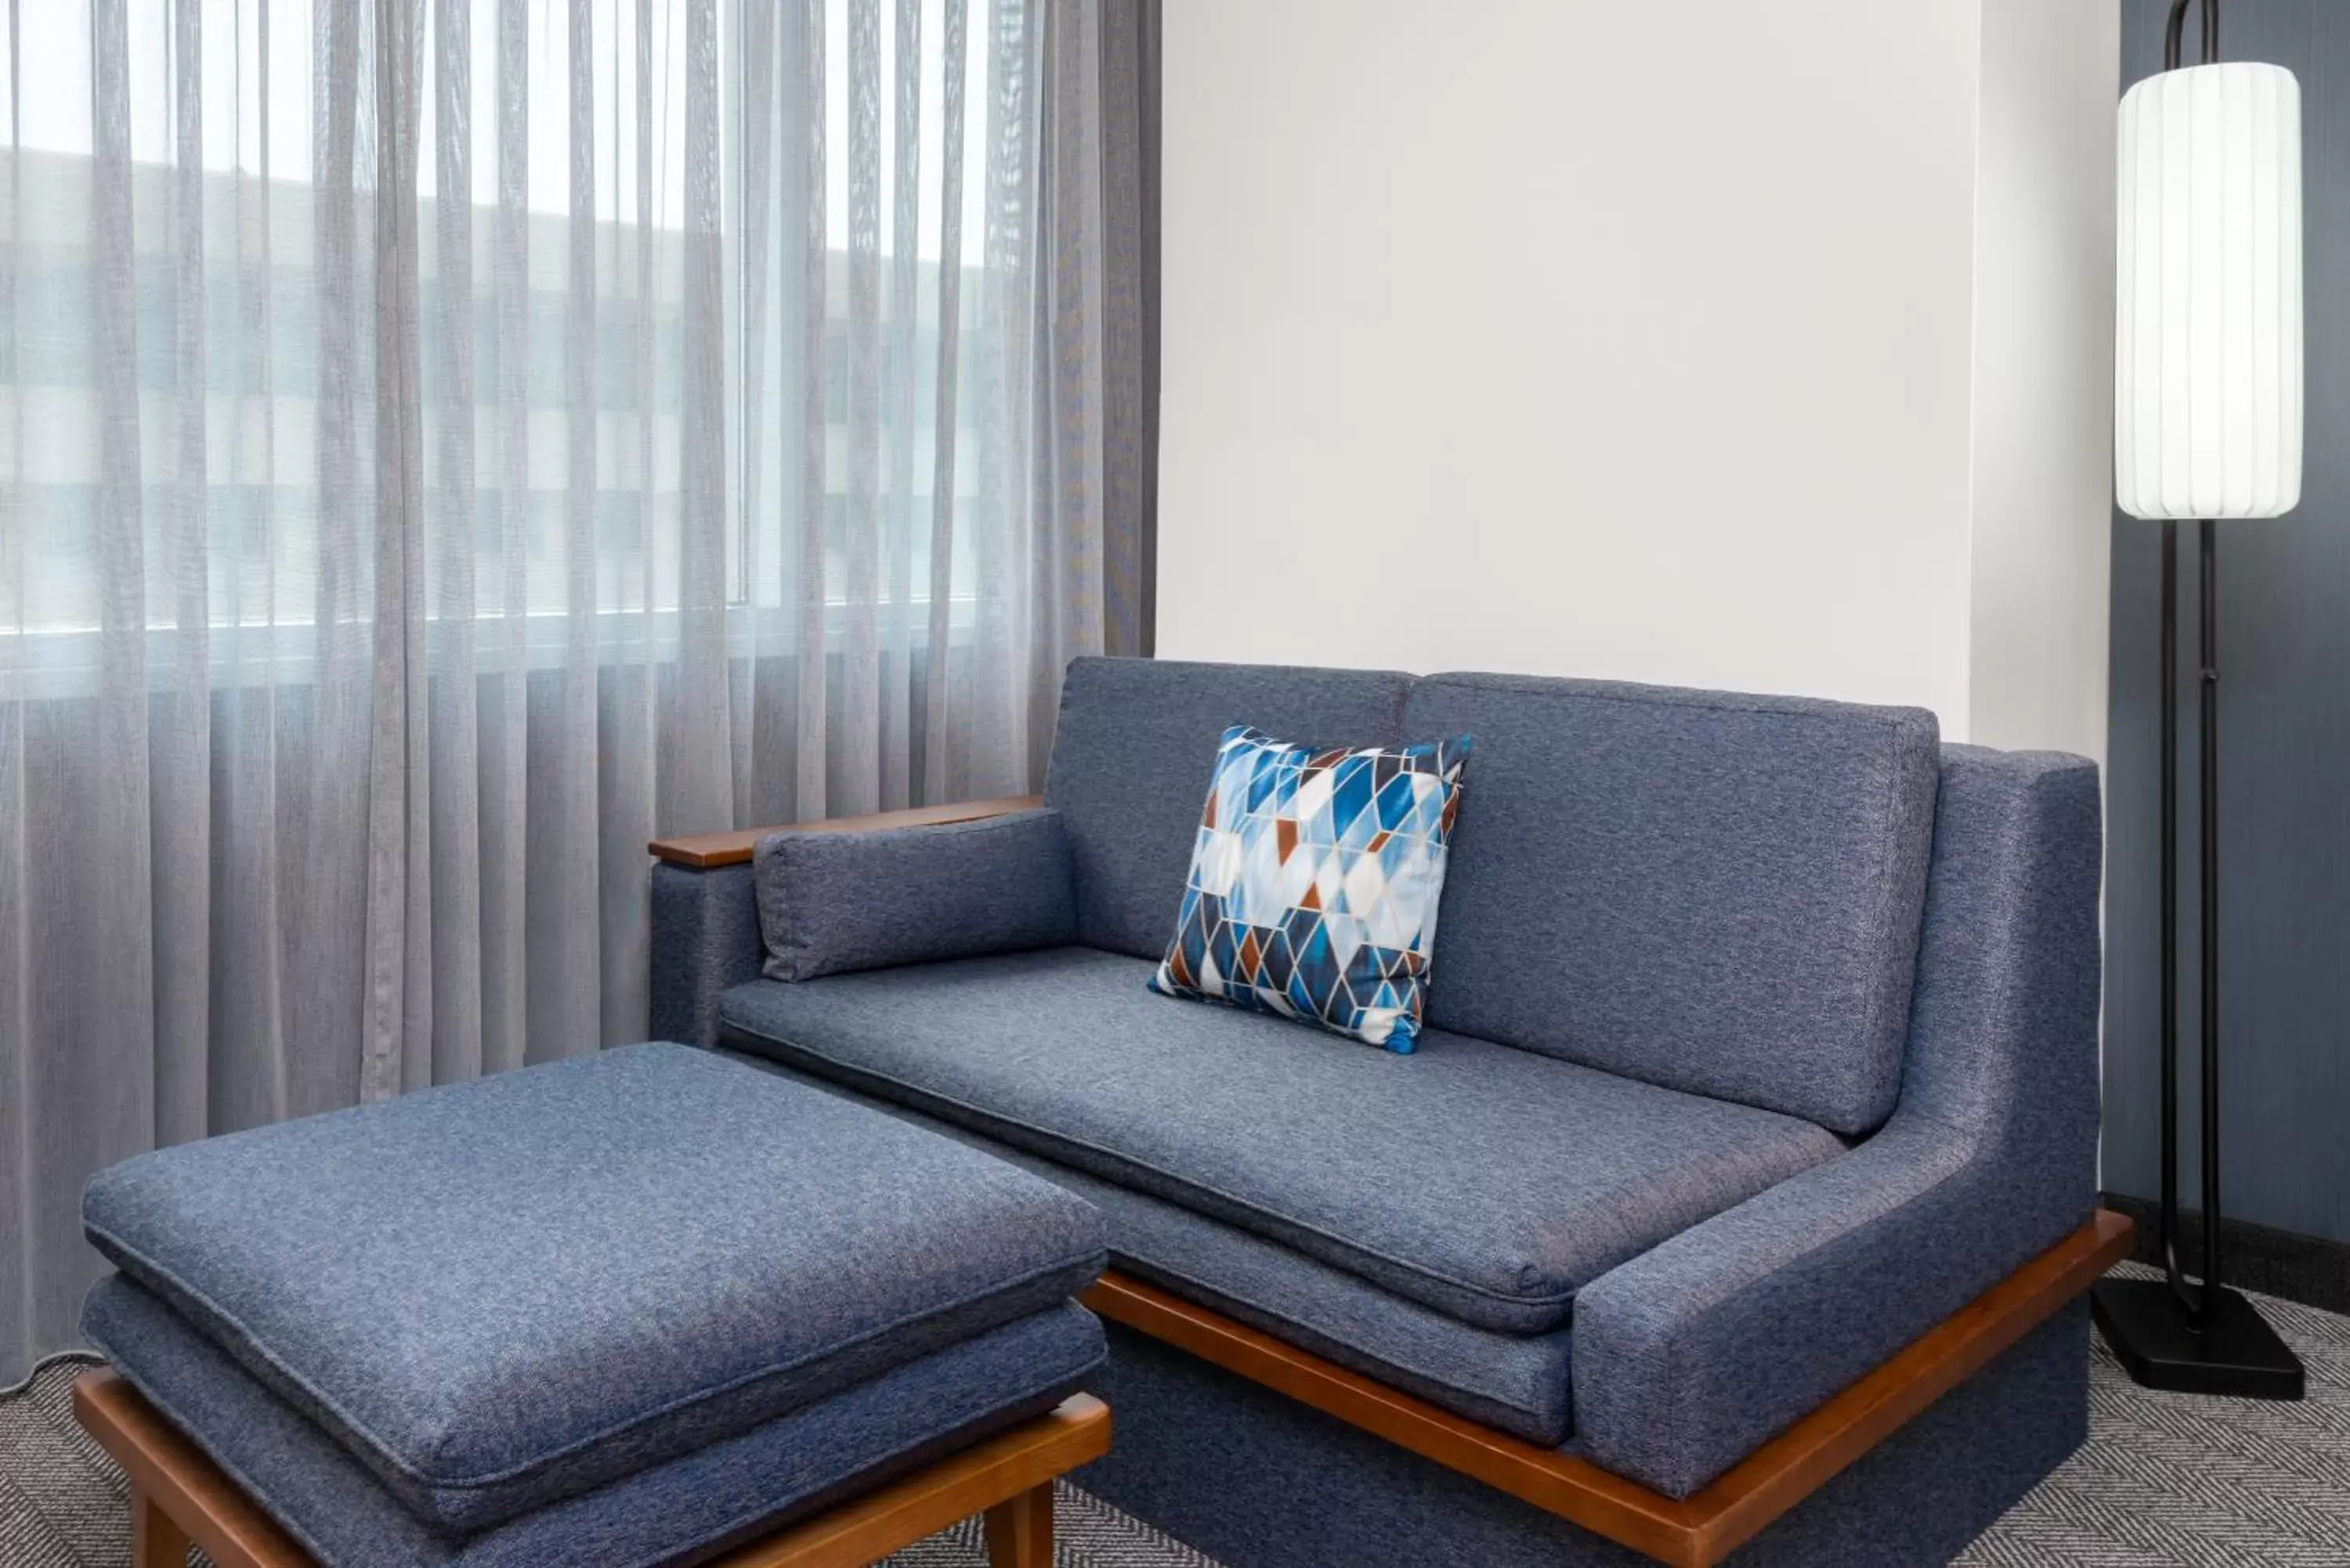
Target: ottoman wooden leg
x: 155, y: 1541
x: 1020, y: 1530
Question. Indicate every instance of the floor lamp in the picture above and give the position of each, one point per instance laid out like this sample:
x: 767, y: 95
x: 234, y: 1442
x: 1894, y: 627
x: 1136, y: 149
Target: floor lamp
x: 2207, y: 425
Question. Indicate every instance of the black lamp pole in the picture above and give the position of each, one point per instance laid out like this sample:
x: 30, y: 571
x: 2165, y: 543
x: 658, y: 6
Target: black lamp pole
x: 2203, y: 1339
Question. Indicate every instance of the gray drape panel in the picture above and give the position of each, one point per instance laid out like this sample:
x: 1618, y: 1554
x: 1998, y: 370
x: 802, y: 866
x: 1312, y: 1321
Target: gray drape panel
x: 444, y: 444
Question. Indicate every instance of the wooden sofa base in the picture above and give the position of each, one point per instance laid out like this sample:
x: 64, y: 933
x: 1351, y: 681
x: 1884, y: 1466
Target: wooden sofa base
x: 178, y: 1496
x: 1697, y: 1532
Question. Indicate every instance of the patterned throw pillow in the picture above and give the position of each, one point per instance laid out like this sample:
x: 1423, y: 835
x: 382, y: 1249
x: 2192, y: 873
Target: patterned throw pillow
x: 1315, y: 881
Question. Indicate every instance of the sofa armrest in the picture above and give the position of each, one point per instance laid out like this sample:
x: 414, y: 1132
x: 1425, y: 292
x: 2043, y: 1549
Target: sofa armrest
x: 709, y: 851
x: 1691, y: 1356
x: 705, y: 910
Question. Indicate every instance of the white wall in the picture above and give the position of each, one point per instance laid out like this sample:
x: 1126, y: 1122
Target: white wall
x: 1593, y: 338
x: 2042, y: 504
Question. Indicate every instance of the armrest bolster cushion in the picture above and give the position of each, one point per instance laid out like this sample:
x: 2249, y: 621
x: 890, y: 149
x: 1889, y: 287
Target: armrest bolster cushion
x: 832, y: 902
x: 1691, y: 1356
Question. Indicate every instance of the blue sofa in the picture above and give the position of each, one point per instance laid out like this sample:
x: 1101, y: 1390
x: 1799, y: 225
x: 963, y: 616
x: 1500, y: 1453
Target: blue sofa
x: 1762, y: 1041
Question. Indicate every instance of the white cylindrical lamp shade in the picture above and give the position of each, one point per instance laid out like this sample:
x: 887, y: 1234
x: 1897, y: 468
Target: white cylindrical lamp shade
x: 2207, y: 327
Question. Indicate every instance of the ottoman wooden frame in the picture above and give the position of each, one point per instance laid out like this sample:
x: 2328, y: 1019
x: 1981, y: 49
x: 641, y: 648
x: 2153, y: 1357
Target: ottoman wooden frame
x: 178, y: 1496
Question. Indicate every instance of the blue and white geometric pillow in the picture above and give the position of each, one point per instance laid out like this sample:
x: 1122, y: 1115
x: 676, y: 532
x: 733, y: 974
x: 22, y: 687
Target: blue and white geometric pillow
x: 1315, y: 882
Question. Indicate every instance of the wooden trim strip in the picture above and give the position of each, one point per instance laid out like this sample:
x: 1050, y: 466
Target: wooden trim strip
x: 1698, y: 1532
x: 1571, y: 1487
x: 977, y: 1479
x: 702, y: 851
x: 174, y: 1477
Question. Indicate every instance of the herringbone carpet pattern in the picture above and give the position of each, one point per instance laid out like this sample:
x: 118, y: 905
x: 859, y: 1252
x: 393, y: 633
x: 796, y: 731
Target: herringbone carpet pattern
x: 1087, y: 1533
x: 2172, y: 1480
x: 2164, y: 1482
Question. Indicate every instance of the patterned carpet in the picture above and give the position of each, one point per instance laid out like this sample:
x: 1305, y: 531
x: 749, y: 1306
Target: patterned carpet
x: 2163, y: 1479
x: 2173, y: 1480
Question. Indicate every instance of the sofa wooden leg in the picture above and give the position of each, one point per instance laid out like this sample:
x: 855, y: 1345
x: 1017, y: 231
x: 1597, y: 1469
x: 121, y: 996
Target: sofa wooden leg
x: 1020, y: 1532
x: 155, y: 1541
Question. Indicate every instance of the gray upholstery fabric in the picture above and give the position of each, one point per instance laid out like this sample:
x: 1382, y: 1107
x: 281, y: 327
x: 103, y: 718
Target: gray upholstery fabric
x: 506, y: 1292
x: 705, y: 938
x: 783, y: 1469
x: 1690, y: 1356
x: 1698, y: 1343
x: 1517, y: 1383
x: 1713, y: 892
x: 832, y: 902
x: 1130, y: 763
x: 1485, y: 1182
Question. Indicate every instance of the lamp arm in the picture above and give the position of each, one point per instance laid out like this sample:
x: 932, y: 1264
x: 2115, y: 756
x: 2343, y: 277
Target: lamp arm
x: 2174, y: 32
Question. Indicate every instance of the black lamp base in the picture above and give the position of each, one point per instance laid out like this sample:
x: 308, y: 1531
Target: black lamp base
x: 2237, y: 1353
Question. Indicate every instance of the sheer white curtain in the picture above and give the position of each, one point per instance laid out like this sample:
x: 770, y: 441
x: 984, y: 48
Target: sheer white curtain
x: 443, y: 445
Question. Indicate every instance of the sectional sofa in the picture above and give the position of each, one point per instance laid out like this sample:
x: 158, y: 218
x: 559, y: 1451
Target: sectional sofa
x: 1736, y: 1205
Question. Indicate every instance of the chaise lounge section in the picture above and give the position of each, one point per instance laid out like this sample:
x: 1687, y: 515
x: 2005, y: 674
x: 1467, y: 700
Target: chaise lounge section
x: 1756, y: 1109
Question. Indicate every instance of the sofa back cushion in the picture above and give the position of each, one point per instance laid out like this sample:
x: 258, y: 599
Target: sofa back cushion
x: 1133, y: 753
x: 1712, y: 892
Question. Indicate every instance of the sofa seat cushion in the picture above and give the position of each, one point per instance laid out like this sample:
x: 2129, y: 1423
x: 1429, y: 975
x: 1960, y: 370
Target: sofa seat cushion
x: 504, y: 1292
x: 1516, y: 1383
x: 682, y: 1510
x: 1485, y: 1182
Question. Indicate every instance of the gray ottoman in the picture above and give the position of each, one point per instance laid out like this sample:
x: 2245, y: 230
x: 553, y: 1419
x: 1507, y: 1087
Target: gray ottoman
x: 627, y: 1309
